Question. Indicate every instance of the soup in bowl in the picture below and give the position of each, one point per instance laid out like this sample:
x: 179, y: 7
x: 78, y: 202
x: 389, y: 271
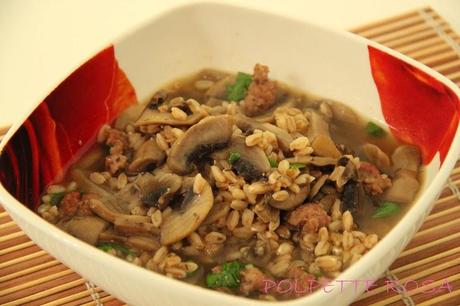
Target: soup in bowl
x: 239, y: 183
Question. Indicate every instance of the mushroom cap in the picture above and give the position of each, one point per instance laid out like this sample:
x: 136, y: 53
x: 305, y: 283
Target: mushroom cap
x: 253, y: 163
x: 148, y: 153
x: 160, y: 189
x: 210, y: 134
x: 191, y: 212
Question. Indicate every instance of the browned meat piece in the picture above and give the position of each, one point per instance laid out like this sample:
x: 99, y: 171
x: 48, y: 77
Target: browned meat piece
x: 302, y: 280
x: 372, y: 179
x: 69, y: 204
x: 117, y: 141
x: 83, y: 209
x: 252, y: 279
x: 310, y: 217
x: 261, y: 92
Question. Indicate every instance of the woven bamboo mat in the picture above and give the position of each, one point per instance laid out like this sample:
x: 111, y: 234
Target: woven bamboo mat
x: 29, y: 276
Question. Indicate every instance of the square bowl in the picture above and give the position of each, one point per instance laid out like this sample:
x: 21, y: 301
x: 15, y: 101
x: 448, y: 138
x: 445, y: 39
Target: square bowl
x: 417, y: 104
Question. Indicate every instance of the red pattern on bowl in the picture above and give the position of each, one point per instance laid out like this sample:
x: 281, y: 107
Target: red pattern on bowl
x: 64, y: 126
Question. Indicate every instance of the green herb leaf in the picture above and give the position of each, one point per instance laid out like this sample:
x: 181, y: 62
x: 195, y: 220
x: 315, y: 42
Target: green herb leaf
x: 386, y: 209
x: 297, y: 166
x: 229, y: 276
x: 273, y: 163
x: 234, y: 157
x: 107, y: 246
x: 238, y: 90
x: 374, y: 130
x: 56, y: 198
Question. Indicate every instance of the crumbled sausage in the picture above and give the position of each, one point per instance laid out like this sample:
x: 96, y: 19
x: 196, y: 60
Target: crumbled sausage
x: 310, y: 217
x: 117, y: 141
x: 69, y: 204
x: 374, y: 182
x: 83, y: 208
x: 252, y: 279
x: 261, y: 92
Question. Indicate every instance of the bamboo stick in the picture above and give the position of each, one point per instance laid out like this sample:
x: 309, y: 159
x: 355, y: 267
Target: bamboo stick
x: 22, y: 259
x: 17, y: 247
x: 35, y: 282
x: 32, y: 269
x: 45, y: 293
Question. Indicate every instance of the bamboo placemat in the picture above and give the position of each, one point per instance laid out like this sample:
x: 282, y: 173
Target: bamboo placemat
x: 29, y: 276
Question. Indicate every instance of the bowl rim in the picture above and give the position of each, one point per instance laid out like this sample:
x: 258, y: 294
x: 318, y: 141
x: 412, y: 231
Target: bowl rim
x: 422, y: 205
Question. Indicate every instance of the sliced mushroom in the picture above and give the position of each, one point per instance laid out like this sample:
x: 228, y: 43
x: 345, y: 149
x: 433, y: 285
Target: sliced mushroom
x: 87, y: 186
x: 189, y: 215
x: 149, y: 244
x: 313, y: 160
x: 210, y: 134
x: 248, y: 124
x: 317, y: 126
x: 376, y: 156
x: 294, y: 199
x: 143, y: 243
x: 158, y: 191
x: 149, y: 153
x: 253, y: 163
x: 324, y: 146
x: 106, y: 212
x: 317, y: 186
x: 127, y: 224
x: 151, y: 114
x: 404, y: 187
x: 406, y: 157
x: 86, y: 228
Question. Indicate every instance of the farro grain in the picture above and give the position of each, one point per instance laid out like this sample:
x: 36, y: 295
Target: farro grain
x: 160, y: 255
x: 370, y: 241
x: 233, y: 220
x: 238, y: 204
x: 161, y: 142
x: 178, y: 114
x: 247, y: 218
x: 281, y: 195
x: 198, y: 184
x: 215, y: 237
x: 156, y: 218
x: 347, y: 240
x: 217, y: 174
x: 347, y: 220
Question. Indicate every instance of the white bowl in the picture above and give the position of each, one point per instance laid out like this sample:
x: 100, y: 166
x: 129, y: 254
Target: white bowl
x: 333, y: 64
